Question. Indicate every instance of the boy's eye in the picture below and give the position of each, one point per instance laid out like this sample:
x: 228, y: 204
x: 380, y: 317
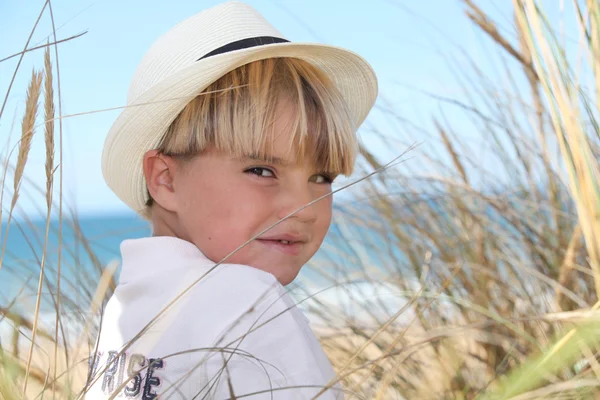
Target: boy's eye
x: 259, y: 171
x: 322, y: 179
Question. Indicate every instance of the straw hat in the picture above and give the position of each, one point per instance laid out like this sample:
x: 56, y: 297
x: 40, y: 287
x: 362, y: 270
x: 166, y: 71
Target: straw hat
x: 191, y: 56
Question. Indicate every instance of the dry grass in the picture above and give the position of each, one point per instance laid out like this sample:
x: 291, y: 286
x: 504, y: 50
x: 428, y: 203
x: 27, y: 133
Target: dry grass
x: 27, y: 132
x: 445, y: 285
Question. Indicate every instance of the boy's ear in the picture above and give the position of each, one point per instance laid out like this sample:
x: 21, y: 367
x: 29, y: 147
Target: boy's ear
x: 159, y: 172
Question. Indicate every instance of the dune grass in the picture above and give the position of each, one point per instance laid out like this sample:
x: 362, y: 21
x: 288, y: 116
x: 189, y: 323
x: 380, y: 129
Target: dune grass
x: 454, y: 283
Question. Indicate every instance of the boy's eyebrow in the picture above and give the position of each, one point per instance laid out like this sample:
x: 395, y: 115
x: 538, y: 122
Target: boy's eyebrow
x: 273, y: 160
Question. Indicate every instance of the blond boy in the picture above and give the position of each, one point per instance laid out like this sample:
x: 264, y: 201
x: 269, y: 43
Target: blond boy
x: 231, y: 130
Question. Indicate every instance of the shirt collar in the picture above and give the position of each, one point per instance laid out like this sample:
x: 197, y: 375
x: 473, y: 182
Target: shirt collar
x: 156, y: 254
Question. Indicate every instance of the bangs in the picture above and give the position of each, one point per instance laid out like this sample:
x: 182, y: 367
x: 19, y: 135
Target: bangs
x: 237, y: 113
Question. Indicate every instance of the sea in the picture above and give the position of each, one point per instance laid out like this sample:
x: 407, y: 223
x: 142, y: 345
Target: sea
x: 89, y: 244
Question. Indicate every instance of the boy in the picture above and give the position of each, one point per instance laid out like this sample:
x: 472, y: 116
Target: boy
x: 231, y: 130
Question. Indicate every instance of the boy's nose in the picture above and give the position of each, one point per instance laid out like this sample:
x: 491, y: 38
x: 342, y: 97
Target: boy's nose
x: 298, y: 200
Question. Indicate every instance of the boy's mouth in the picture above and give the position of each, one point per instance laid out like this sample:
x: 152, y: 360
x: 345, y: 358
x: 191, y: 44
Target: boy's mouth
x: 285, y: 246
x: 286, y: 243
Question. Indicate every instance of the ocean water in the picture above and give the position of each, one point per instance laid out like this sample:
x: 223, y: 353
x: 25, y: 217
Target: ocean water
x: 327, y: 282
x: 95, y: 242
x: 87, y: 246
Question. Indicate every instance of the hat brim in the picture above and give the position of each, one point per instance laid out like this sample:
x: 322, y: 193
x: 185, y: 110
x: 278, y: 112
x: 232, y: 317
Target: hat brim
x: 141, y: 125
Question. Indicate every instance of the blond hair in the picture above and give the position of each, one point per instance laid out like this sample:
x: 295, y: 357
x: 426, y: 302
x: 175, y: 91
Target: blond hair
x: 236, y: 113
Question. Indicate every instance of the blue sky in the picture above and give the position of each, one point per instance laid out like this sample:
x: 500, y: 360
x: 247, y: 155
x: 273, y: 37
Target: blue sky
x: 402, y: 39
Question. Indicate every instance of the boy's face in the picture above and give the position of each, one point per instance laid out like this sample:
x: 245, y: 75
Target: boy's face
x: 221, y: 202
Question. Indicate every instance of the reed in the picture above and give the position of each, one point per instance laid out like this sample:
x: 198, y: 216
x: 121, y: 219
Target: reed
x: 27, y: 132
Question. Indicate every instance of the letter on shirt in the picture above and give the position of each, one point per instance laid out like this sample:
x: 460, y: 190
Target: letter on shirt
x: 133, y: 389
x: 155, y: 363
x: 108, y: 383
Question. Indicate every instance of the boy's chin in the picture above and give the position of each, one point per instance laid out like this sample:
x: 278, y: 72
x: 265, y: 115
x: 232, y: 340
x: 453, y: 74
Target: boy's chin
x: 287, y: 278
x: 285, y: 274
x: 284, y: 268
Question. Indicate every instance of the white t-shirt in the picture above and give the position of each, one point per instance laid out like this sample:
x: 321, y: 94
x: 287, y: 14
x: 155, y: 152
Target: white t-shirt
x: 236, y: 328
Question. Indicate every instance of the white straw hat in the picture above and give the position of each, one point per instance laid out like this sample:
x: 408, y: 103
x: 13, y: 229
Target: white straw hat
x: 191, y: 56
